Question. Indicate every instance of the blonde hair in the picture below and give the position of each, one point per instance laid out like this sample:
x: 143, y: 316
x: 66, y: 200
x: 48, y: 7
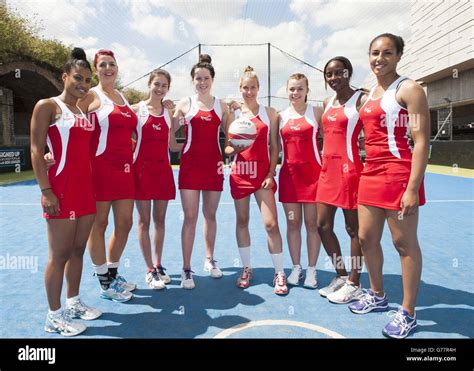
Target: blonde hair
x: 249, y: 73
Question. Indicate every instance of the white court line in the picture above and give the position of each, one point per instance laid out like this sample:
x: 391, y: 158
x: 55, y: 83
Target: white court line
x: 268, y: 322
x: 220, y: 203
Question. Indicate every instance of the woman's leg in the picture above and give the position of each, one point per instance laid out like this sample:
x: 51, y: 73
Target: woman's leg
x: 210, y: 202
x: 352, y: 228
x: 405, y: 240
x: 123, y: 220
x: 61, y: 245
x: 268, y: 209
x: 144, y: 210
x: 242, y: 209
x: 293, y: 213
x: 76, y: 262
x: 96, y: 242
x: 313, y: 240
x: 190, y: 204
x: 159, y: 216
x: 242, y: 234
x: 326, y: 215
x: 74, y: 306
x: 371, y: 222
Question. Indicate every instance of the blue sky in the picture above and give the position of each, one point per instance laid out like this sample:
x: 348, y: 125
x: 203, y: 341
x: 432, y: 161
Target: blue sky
x: 146, y: 33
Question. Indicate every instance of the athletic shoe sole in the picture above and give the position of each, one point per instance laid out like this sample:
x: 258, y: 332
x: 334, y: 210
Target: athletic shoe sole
x: 116, y: 300
x: 412, y: 330
x: 51, y: 331
x: 374, y: 309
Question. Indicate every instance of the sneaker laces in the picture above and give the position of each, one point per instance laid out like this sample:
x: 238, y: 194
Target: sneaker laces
x: 366, y: 298
x: 117, y: 286
x: 187, y: 274
x: 64, y: 322
x: 245, y: 273
x: 398, y: 319
x: 79, y: 307
x: 155, y: 275
x: 212, y: 262
x: 161, y: 269
x: 280, y: 279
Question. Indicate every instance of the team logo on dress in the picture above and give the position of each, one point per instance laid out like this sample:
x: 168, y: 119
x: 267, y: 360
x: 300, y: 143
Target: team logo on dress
x: 156, y: 127
x: 368, y: 110
x: 332, y: 118
x: 126, y: 114
x: 206, y: 118
x: 295, y: 127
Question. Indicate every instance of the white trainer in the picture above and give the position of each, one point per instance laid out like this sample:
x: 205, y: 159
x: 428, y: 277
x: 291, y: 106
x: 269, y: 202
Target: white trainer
x: 116, y: 292
x: 211, y: 267
x: 64, y: 325
x: 295, y: 276
x: 154, y: 281
x: 80, y: 310
x: 127, y: 286
x: 187, y: 281
x: 311, y: 280
x: 163, y: 275
x: 335, y: 285
x: 347, y: 293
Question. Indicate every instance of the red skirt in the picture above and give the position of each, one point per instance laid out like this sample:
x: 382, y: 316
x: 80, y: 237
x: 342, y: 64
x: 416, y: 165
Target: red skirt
x: 154, y: 181
x: 383, y: 185
x: 76, y: 197
x: 338, y: 183
x: 298, y: 182
x: 113, y: 180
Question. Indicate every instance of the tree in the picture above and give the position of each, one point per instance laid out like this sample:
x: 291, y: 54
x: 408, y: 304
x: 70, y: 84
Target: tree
x: 19, y: 41
x: 134, y: 96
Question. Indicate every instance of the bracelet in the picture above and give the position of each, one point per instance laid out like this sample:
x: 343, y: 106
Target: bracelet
x: 45, y: 189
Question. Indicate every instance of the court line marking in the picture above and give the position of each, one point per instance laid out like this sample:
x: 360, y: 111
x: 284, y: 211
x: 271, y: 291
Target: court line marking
x: 269, y: 322
x: 220, y: 203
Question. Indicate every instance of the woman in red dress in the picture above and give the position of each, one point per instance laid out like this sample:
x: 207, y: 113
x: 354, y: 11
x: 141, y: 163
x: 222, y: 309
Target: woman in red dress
x: 299, y: 174
x: 391, y: 184
x: 153, y: 173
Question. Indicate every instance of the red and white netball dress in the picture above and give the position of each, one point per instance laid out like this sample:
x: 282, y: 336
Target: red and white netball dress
x: 152, y: 168
x: 340, y: 173
x: 299, y: 173
x: 388, y: 153
x: 112, y: 157
x: 201, y: 161
x: 251, y: 166
x: 71, y: 175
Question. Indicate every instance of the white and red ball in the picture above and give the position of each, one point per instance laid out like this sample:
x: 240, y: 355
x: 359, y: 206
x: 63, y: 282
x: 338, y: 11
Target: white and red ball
x: 242, y: 132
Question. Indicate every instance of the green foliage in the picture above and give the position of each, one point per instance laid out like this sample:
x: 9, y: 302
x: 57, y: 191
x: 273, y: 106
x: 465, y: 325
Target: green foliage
x: 19, y: 41
x: 134, y: 96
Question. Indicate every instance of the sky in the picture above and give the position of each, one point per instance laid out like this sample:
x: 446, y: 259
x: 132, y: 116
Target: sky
x: 144, y: 34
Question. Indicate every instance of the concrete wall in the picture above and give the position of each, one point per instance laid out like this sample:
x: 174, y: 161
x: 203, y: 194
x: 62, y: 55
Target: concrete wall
x: 457, y: 89
x: 441, y: 37
x: 456, y: 153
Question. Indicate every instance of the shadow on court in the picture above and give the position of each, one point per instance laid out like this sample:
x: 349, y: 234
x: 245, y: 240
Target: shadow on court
x: 179, y: 313
x: 446, y: 318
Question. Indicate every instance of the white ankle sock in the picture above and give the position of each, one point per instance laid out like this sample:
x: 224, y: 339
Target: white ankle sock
x: 278, y: 262
x: 245, y: 256
x: 70, y: 301
x: 55, y: 313
x: 100, y: 269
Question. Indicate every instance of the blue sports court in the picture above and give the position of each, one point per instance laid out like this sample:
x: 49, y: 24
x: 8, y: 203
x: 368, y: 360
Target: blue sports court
x: 217, y: 308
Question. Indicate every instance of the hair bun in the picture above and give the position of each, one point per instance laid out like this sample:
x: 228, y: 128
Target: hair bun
x: 78, y: 53
x: 248, y: 69
x: 205, y: 58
